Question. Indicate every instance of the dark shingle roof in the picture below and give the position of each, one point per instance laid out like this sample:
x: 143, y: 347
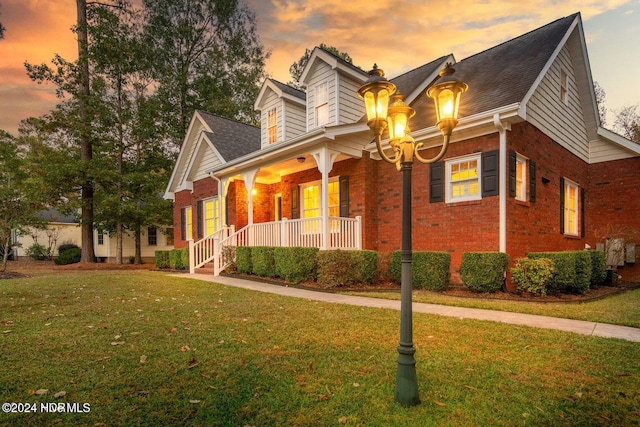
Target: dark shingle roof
x: 502, y: 75
x: 53, y: 215
x: 409, y: 81
x: 231, y: 138
x: 290, y: 90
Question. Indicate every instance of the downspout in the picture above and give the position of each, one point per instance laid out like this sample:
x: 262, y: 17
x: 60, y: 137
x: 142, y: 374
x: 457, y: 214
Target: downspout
x: 502, y: 165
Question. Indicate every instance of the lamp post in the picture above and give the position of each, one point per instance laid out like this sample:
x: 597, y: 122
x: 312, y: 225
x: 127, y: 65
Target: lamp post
x: 376, y: 93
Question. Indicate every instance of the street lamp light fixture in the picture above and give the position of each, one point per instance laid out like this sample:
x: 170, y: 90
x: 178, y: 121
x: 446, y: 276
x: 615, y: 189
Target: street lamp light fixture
x: 376, y: 93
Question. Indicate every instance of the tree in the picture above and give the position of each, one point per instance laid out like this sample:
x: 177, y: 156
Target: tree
x: 627, y: 123
x: 600, y: 99
x: 296, y: 68
x: 2, y: 30
x: 207, y: 56
x: 17, y: 208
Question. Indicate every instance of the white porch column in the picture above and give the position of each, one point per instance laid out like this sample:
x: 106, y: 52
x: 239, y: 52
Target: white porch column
x: 324, y: 158
x: 249, y: 181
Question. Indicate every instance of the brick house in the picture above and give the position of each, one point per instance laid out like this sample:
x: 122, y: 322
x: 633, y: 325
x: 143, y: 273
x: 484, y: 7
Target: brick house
x: 529, y: 167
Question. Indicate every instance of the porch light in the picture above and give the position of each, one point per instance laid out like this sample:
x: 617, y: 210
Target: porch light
x: 398, y: 117
x: 446, y: 94
x: 375, y: 92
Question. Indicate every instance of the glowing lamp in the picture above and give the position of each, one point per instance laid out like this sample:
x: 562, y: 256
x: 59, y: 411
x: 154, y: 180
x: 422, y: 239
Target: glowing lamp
x: 446, y: 95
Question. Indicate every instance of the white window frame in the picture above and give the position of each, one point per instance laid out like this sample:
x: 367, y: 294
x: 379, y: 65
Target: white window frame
x: 211, y: 223
x: 152, y: 237
x: 571, y: 215
x: 188, y: 217
x: 322, y: 104
x: 272, y: 125
x: 521, y: 179
x: 319, y: 185
x: 449, y: 198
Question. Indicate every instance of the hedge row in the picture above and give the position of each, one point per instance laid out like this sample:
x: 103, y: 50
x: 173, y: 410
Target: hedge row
x: 346, y: 268
x: 295, y: 265
x: 574, y: 271
x: 484, y: 271
x: 176, y: 259
x: 429, y: 270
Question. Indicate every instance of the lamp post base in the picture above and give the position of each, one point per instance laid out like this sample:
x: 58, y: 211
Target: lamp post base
x: 406, y: 379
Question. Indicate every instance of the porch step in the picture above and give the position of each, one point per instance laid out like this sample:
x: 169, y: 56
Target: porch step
x: 205, y: 269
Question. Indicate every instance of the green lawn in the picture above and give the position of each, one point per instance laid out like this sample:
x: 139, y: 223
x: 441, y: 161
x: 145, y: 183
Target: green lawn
x: 148, y: 349
x: 622, y: 309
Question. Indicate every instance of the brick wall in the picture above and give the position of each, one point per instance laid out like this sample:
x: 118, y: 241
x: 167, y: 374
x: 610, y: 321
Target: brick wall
x: 451, y: 227
x: 202, y: 189
x: 614, y: 206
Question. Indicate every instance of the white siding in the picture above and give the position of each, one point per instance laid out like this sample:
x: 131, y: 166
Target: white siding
x: 602, y: 151
x: 564, y: 123
x: 191, y: 144
x: 294, y: 120
x: 351, y: 106
x: 321, y: 73
x: 206, y: 159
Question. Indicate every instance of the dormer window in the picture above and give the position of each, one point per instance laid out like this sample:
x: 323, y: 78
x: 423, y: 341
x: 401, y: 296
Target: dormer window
x: 564, y: 88
x: 272, y: 125
x: 322, y: 104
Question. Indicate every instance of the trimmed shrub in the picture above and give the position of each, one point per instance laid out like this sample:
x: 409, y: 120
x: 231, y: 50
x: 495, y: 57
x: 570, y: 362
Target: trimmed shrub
x: 532, y: 275
x: 179, y: 259
x: 345, y: 268
x: 383, y: 267
x: 583, y: 273
x: 69, y: 256
x: 162, y: 259
x: 564, y: 270
x: 66, y: 246
x: 484, y: 271
x: 262, y: 262
x: 243, y: 259
x: 598, y: 268
x: 429, y: 270
x: 295, y: 264
x: 37, y: 252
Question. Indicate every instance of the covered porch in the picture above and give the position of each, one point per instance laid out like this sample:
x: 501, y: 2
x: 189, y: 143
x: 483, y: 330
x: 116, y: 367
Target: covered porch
x: 283, y: 196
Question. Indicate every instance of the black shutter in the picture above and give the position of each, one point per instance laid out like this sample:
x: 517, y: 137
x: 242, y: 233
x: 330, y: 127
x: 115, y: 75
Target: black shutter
x: 344, y: 196
x: 183, y: 224
x: 582, y: 224
x: 295, y: 203
x: 513, y: 166
x: 561, y: 205
x: 436, y: 182
x: 199, y: 218
x: 489, y: 174
x: 532, y: 181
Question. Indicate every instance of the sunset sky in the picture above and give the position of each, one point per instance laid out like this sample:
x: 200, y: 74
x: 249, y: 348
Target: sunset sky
x: 396, y: 34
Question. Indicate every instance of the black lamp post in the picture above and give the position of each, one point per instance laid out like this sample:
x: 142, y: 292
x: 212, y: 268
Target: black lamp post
x: 376, y: 92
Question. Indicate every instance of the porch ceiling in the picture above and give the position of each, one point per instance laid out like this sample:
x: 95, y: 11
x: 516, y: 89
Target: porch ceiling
x: 274, y: 172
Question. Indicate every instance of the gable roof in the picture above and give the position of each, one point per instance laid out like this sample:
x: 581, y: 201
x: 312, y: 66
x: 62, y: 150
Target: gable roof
x: 516, y: 64
x: 281, y: 90
x: 231, y: 138
x: 227, y: 139
x: 335, y: 62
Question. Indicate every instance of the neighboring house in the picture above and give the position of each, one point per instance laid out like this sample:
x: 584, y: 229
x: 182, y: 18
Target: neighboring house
x: 62, y: 229
x: 529, y: 167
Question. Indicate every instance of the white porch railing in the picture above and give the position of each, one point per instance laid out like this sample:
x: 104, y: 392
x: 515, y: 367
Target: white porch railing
x: 203, y: 251
x: 344, y: 233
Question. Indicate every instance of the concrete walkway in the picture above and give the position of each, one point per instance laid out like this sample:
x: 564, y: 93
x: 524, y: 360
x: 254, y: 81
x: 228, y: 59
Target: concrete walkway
x: 546, y: 322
